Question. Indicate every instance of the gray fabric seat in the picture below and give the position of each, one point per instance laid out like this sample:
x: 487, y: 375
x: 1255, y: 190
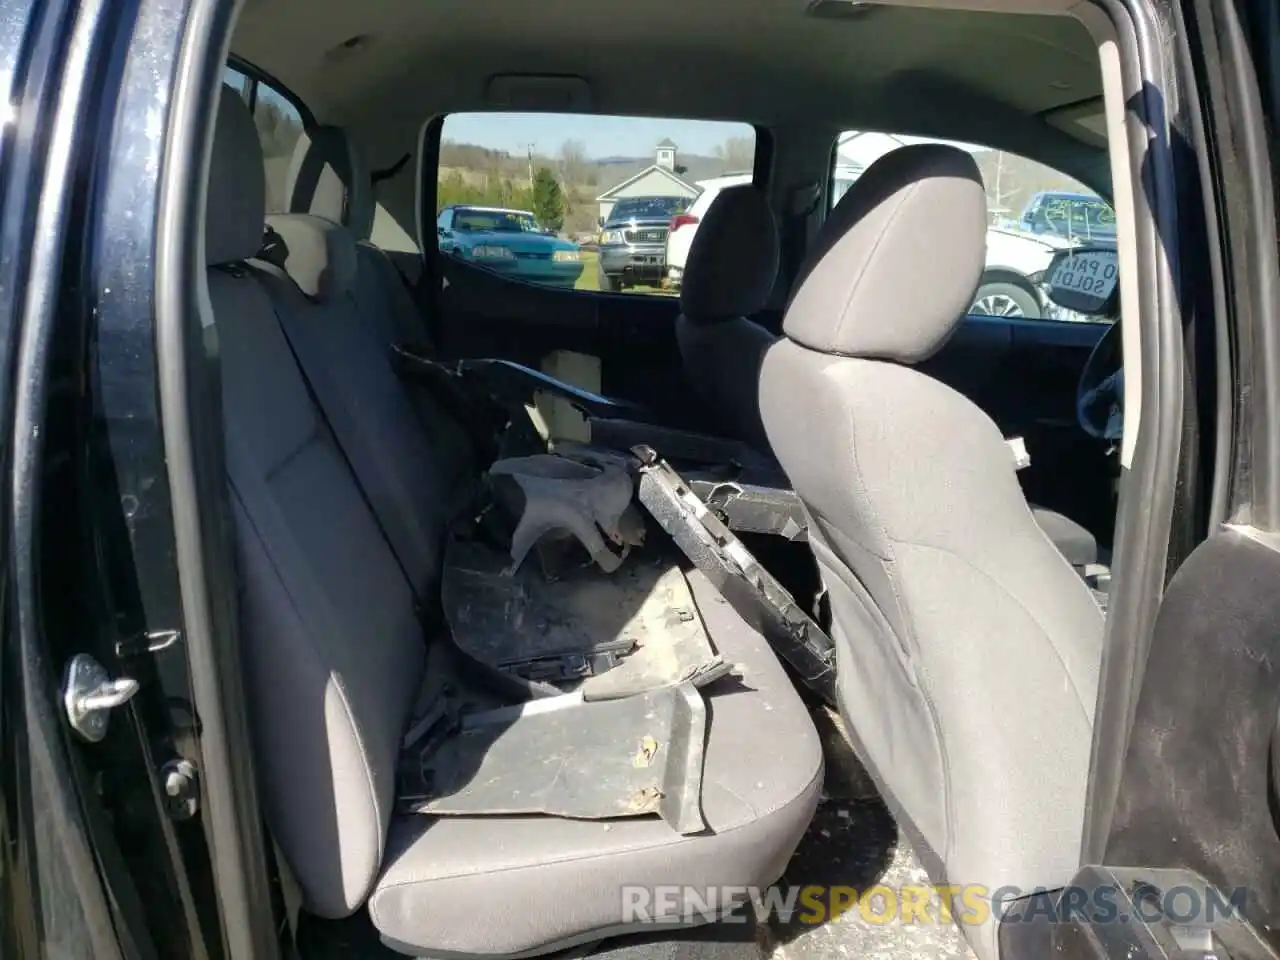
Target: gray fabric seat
x: 559, y: 880
x: 731, y: 270
x: 968, y: 649
x: 335, y: 656
x: 328, y: 177
x: 333, y: 649
x: 410, y: 471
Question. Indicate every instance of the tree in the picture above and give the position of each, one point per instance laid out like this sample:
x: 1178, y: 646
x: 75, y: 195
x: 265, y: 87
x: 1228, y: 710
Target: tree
x: 1002, y: 182
x: 738, y: 154
x: 573, y: 162
x: 548, y: 199
x: 278, y: 130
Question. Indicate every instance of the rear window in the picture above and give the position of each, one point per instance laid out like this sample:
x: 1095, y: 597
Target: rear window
x: 578, y: 201
x: 279, y: 122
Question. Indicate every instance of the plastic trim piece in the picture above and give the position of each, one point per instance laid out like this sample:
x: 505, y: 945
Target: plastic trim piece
x: 750, y: 589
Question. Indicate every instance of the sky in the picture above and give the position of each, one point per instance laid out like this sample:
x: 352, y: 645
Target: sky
x: 603, y: 136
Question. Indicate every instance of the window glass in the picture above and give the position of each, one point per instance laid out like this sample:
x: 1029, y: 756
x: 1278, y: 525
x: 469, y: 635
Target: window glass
x: 1035, y: 212
x: 279, y: 125
x: 600, y: 204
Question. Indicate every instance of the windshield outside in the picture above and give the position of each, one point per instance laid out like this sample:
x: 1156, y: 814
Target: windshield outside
x: 647, y: 208
x: 1073, y: 216
x: 497, y: 221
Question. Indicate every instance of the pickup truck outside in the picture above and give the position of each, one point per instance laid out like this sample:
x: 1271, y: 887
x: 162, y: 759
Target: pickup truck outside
x: 633, y: 244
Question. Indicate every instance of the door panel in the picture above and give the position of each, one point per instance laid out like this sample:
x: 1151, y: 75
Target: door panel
x: 1023, y: 373
x: 632, y: 335
x: 1199, y: 784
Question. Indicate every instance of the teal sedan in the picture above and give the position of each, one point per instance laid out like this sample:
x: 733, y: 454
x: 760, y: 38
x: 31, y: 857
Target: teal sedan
x: 509, y: 242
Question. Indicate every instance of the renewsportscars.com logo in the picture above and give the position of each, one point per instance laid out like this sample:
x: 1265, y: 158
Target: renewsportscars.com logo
x: 943, y: 903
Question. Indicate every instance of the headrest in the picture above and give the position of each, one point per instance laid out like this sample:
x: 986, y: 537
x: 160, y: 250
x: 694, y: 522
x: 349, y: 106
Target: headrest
x: 320, y: 255
x: 733, y: 262
x: 328, y: 178
x: 236, y: 203
x: 897, y: 261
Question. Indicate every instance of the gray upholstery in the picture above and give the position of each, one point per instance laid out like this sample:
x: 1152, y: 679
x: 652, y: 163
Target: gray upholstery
x: 398, y: 462
x: 722, y: 364
x: 897, y: 261
x: 321, y: 254
x: 335, y: 656
x: 333, y: 649
x: 237, y: 189
x: 733, y: 261
x: 1073, y: 541
x: 968, y: 649
x: 328, y: 177
x: 560, y: 879
x: 730, y: 272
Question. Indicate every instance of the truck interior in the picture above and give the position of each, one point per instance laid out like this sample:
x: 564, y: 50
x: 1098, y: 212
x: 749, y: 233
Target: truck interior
x: 538, y: 589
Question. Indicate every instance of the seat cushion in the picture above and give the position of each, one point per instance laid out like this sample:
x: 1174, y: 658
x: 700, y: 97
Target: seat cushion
x: 561, y: 881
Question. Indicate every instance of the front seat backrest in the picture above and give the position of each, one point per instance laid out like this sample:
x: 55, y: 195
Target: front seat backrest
x: 967, y: 648
x: 729, y: 274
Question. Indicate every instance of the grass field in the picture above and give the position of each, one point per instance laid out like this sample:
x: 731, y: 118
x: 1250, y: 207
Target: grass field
x: 590, y: 279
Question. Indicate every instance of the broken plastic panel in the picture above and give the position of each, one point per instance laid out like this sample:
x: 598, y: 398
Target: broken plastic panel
x: 564, y: 498
x: 567, y: 757
x: 513, y: 386
x: 688, y: 448
x: 608, y: 636
x: 751, y: 508
x: 759, y: 599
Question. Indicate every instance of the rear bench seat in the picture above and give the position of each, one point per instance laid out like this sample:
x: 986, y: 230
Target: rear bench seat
x: 328, y: 177
x: 335, y: 654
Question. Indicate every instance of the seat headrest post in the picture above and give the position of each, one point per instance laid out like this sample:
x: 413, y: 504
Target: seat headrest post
x: 898, y: 260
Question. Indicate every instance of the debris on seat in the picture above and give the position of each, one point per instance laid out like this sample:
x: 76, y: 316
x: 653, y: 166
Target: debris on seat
x: 752, y: 591
x: 613, y: 635
x: 568, y: 757
x: 563, y: 498
x: 752, y: 508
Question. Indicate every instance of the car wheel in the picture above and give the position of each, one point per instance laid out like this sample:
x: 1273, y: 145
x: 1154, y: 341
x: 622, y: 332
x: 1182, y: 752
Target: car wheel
x: 609, y: 284
x: 999, y: 299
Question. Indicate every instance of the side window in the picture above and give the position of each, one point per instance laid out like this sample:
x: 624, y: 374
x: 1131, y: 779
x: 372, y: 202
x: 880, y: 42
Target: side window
x: 1035, y: 211
x: 280, y: 123
x: 592, y: 203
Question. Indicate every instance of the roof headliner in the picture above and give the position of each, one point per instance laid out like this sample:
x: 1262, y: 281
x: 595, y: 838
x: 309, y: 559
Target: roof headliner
x: 947, y: 73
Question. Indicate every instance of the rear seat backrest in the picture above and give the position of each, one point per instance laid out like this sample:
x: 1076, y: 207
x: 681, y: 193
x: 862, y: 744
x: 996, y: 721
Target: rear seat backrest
x: 328, y: 177
x: 408, y: 478
x: 333, y: 649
